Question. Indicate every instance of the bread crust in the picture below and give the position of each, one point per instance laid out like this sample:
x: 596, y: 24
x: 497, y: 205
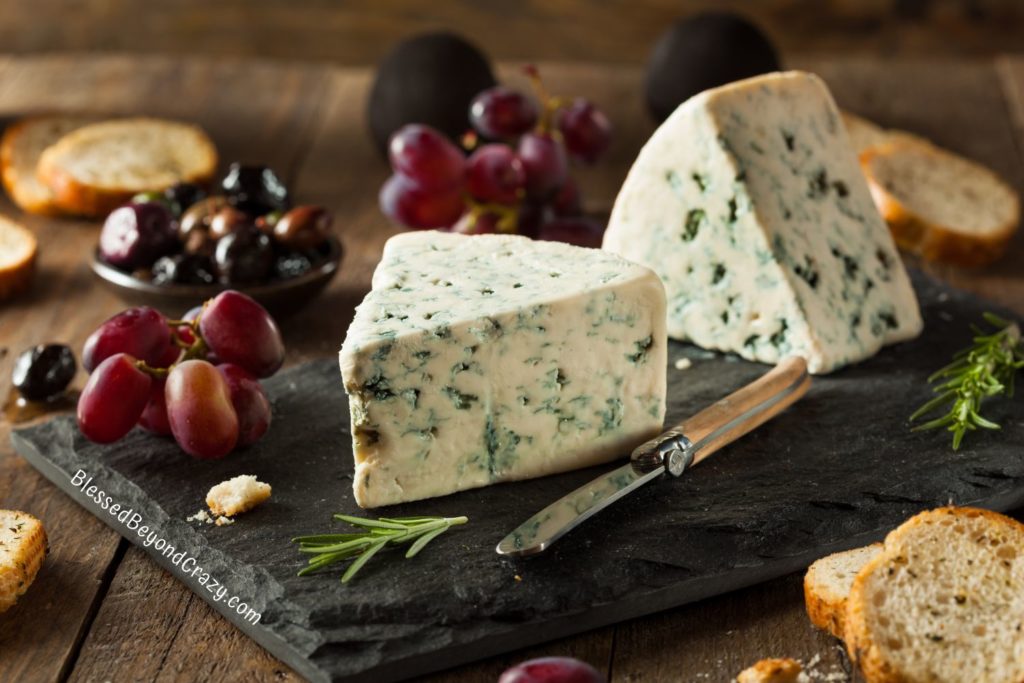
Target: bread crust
x: 29, y: 552
x: 824, y: 612
x: 16, y: 278
x: 932, y: 241
x: 778, y: 670
x: 860, y: 644
x: 72, y: 196
x: 11, y: 178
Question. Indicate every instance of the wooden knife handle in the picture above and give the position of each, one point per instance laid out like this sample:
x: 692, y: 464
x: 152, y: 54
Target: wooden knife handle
x: 726, y: 420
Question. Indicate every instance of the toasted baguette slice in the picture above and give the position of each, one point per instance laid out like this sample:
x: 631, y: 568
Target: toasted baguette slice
x: 22, y: 550
x: 940, y: 205
x: 866, y: 134
x: 827, y: 586
x: 774, y: 671
x: 17, y: 258
x: 943, y: 601
x: 22, y: 144
x: 92, y: 170
x: 237, y: 495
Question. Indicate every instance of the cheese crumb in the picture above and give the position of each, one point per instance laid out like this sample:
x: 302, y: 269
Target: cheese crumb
x: 237, y: 495
x: 224, y: 521
x: 201, y: 516
x: 684, y: 364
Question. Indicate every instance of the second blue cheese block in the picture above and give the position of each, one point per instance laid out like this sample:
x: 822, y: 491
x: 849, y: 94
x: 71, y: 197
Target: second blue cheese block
x: 481, y: 359
x: 750, y: 205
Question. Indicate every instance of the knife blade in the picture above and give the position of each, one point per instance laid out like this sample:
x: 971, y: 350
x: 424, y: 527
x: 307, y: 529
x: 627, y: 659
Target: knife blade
x: 673, y: 452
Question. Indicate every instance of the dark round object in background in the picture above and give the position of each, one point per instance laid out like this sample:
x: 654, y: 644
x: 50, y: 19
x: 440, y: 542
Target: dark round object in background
x: 701, y: 52
x: 42, y: 372
x: 243, y: 257
x: 183, y: 195
x: 431, y: 79
x: 136, y: 234
x: 255, y: 189
x: 184, y: 269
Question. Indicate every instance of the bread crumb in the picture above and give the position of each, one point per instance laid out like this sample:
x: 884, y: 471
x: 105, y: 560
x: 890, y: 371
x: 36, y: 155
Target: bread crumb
x: 774, y: 671
x: 237, y: 495
x: 517, y: 577
x: 684, y: 364
x: 201, y: 516
x: 224, y: 521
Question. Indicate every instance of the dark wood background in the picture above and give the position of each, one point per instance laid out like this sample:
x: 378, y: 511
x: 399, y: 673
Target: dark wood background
x: 359, y: 31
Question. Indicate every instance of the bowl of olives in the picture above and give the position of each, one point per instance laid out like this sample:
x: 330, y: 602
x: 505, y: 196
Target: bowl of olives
x: 182, y: 246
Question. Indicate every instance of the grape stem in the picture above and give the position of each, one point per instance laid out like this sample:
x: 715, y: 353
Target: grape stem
x: 549, y: 104
x: 197, y: 349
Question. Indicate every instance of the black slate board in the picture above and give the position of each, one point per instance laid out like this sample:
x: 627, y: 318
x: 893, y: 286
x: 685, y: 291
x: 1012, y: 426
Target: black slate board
x: 837, y: 471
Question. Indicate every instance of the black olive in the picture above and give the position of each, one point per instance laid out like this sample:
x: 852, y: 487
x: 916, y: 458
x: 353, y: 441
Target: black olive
x: 701, y: 52
x: 244, y: 256
x: 184, y: 269
x: 304, y: 227
x: 183, y: 195
x: 255, y: 189
x: 292, y: 264
x: 431, y: 79
x: 42, y: 372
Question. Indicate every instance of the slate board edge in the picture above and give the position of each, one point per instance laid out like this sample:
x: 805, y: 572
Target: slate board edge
x: 460, y: 653
x: 267, y: 639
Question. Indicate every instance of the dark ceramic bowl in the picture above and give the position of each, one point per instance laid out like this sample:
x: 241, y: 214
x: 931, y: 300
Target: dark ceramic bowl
x: 280, y: 297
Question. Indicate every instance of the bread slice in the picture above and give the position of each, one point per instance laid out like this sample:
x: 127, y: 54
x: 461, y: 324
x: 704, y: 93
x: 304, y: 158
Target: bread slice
x: 943, y: 601
x: 774, y: 671
x: 22, y: 144
x: 18, y: 249
x: 940, y: 205
x: 237, y: 495
x: 22, y: 550
x: 866, y: 134
x: 827, y: 586
x: 93, y: 169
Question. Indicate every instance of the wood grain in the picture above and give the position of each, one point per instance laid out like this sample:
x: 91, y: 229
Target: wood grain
x: 95, y: 616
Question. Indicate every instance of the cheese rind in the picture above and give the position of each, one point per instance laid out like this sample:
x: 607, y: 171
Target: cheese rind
x: 749, y: 204
x: 492, y: 358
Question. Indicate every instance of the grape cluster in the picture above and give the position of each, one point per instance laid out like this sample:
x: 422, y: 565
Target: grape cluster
x: 249, y: 234
x: 196, y: 379
x: 514, y: 176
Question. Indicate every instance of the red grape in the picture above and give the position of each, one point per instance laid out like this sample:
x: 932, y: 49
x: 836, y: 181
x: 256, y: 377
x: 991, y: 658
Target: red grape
x: 140, y: 332
x: 495, y: 174
x: 500, y: 112
x: 250, y: 403
x: 113, y: 399
x: 583, y: 232
x: 552, y: 670
x: 426, y: 156
x: 531, y: 216
x: 185, y: 333
x: 240, y: 331
x: 543, y: 156
x: 170, y: 356
x: 567, y: 202
x: 587, y: 131
x: 199, y: 409
x: 154, y: 415
x: 413, y: 206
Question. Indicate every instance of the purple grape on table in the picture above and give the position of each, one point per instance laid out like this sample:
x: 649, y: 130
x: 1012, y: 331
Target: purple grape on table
x: 43, y: 371
x: 244, y: 256
x: 304, y: 227
x: 501, y: 113
x: 544, y: 159
x: 411, y: 205
x: 240, y: 331
x: 495, y: 174
x: 184, y: 269
x: 427, y: 157
x: 113, y: 399
x: 587, y: 132
x: 552, y: 670
x: 199, y: 410
x: 135, y: 235
x: 141, y: 332
x: 581, y: 231
x: 255, y: 189
x: 249, y: 401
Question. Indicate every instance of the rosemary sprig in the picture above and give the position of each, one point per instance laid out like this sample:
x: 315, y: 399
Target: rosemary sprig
x: 328, y: 549
x: 985, y: 369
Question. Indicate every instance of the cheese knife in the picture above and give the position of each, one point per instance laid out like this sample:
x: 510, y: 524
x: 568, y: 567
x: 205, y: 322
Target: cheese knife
x: 673, y: 453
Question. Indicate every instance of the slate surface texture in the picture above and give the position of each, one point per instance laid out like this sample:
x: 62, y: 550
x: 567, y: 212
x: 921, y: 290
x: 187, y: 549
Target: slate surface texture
x: 836, y: 471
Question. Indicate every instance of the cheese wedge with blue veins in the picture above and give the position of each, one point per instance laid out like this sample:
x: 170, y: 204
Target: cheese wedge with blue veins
x: 750, y: 205
x: 492, y: 358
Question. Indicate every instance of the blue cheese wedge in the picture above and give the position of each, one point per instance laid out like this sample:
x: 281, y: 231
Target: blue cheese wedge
x: 490, y: 358
x: 749, y: 204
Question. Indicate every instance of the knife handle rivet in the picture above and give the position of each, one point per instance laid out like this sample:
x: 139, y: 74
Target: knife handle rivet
x: 676, y: 461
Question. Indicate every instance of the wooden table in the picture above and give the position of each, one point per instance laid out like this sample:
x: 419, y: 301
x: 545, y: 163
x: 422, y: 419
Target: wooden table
x: 101, y: 610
